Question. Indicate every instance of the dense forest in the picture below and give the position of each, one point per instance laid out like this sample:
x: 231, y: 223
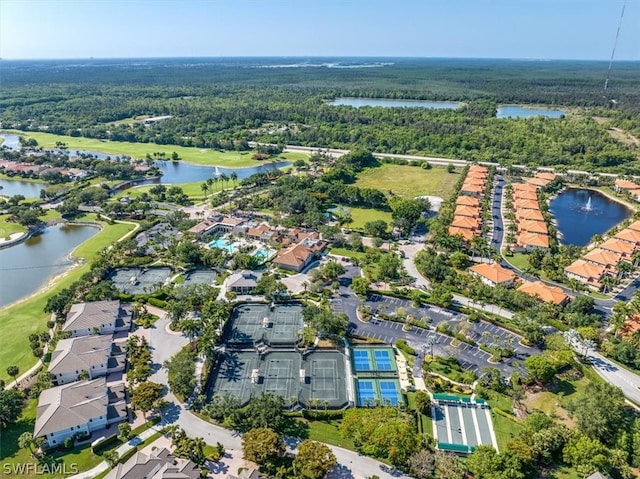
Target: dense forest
x: 213, y: 102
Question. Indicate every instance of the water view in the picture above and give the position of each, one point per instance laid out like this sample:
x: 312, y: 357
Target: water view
x: 172, y: 171
x: 29, y: 189
x: 179, y: 172
x: 518, y: 111
x: 389, y: 103
x: 28, y: 266
x: 581, y: 214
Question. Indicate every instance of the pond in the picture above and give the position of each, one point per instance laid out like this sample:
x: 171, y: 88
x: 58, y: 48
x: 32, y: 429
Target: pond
x: 172, y: 171
x: 29, y: 189
x: 581, y: 214
x: 28, y: 266
x: 179, y: 172
x: 518, y: 111
x: 389, y: 103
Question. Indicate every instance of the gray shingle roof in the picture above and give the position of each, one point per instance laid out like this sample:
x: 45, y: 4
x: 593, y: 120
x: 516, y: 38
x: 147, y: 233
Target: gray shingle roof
x: 76, y: 354
x: 70, y: 405
x: 91, y: 315
x: 160, y: 464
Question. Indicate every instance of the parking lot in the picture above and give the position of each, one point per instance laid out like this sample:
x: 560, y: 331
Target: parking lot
x: 469, y: 357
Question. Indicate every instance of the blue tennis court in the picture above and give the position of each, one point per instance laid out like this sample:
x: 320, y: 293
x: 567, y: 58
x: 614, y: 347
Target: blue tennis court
x: 361, y: 360
x: 389, y: 392
x: 366, y: 393
x: 383, y: 360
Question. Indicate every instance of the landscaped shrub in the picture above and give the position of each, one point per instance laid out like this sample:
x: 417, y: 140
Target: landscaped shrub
x: 402, y: 345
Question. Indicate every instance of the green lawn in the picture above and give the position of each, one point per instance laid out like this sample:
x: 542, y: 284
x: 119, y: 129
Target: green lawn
x: 230, y: 159
x: 409, y: 181
x: 348, y: 253
x: 506, y: 430
x: 327, y: 431
x: 26, y: 317
x: 192, y: 190
x: 519, y: 260
x: 7, y: 228
x: 361, y: 216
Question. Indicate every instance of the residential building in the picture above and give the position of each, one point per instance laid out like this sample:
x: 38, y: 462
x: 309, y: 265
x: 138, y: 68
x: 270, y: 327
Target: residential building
x: 97, y: 355
x: 526, y: 205
x: 98, y: 317
x: 533, y: 226
x: 525, y: 195
x: 472, y: 190
x: 78, y: 408
x: 635, y: 226
x: 529, y: 215
x: 616, y: 245
x: 605, y: 258
x: 471, y: 211
x: 630, y: 236
x: 466, y: 234
x: 160, y: 464
x: 586, y: 272
x: 548, y: 294
x: 492, y: 274
x: 526, y: 241
x: 466, y: 222
x: 244, y: 282
x: 468, y: 201
x: 247, y: 474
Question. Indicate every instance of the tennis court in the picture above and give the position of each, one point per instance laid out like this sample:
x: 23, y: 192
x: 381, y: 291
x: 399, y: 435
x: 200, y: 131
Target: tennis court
x: 139, y: 280
x: 324, y: 381
x: 200, y: 276
x: 461, y: 425
x: 372, y: 359
x: 280, y: 372
x: 371, y: 392
x: 319, y: 380
x: 279, y: 325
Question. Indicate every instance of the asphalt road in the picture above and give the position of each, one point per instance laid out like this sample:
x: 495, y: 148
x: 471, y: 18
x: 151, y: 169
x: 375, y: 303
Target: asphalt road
x: 614, y: 374
x: 496, y: 214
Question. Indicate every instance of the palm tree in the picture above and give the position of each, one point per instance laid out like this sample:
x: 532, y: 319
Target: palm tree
x: 27, y: 441
x: 234, y: 179
x: 205, y: 188
x: 224, y: 178
x: 210, y: 184
x: 608, y: 282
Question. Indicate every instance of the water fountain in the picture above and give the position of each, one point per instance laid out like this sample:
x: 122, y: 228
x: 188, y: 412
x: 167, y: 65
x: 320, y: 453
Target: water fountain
x: 588, y: 207
x: 216, y: 174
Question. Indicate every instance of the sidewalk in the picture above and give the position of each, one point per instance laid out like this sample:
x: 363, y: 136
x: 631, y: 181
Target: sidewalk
x: 103, y: 466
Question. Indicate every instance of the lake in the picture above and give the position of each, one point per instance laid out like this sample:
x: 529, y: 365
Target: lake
x: 29, y: 189
x: 30, y: 265
x: 518, y: 111
x: 389, y: 103
x: 578, y: 223
x: 173, y: 171
x: 180, y: 172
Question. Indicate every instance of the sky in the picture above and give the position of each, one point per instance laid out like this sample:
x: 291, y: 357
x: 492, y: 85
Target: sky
x: 534, y: 29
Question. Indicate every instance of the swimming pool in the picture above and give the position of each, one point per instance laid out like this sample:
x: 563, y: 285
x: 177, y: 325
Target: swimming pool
x: 263, y: 254
x: 225, y: 244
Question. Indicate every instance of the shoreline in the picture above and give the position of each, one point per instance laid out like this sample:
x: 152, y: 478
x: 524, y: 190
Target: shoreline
x: 77, y: 261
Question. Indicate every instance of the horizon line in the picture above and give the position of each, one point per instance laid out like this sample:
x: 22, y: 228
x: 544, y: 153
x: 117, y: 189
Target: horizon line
x: 399, y: 57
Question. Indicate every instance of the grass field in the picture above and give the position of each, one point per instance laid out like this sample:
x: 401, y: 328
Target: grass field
x: 7, y: 229
x: 26, y: 317
x: 229, y: 159
x: 328, y: 432
x: 192, y: 190
x: 409, y: 181
x: 361, y: 216
x: 519, y: 260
